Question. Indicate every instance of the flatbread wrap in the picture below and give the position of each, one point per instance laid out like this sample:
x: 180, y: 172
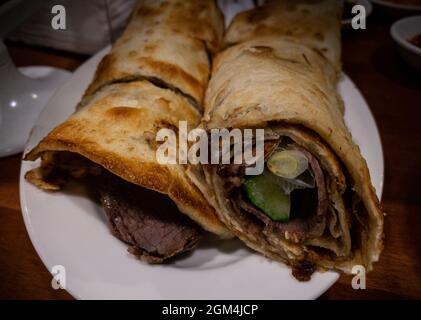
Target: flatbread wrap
x: 154, y: 76
x: 313, y: 207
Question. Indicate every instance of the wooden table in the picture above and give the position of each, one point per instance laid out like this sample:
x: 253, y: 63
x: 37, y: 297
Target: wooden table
x: 392, y: 91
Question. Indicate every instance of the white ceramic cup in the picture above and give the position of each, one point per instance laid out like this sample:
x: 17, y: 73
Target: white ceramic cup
x: 23, y: 94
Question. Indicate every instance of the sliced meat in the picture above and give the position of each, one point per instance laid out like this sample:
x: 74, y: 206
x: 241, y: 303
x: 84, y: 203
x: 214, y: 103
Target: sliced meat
x: 314, y: 225
x: 148, y: 221
x: 231, y: 170
x: 295, y: 230
x: 239, y: 170
x: 306, y: 224
x: 320, y: 181
x: 234, y: 173
x: 303, y: 270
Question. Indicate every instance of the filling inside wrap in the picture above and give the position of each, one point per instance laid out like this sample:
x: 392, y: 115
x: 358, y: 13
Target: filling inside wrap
x: 148, y: 221
x: 301, y: 199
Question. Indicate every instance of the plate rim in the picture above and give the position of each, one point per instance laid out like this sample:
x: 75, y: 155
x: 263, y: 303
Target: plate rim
x: 397, y: 5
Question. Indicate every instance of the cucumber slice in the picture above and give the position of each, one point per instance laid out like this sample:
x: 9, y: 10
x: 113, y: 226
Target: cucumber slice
x: 266, y: 193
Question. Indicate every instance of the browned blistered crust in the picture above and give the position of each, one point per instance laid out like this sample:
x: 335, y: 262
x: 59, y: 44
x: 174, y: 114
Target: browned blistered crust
x: 279, y: 72
x: 167, y: 40
x: 116, y: 129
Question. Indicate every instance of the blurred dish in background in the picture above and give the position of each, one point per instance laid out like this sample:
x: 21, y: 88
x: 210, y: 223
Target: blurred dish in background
x: 416, y: 40
x: 398, y: 8
x: 347, y: 14
x: 24, y: 92
x: 404, y: 32
x: 90, y: 25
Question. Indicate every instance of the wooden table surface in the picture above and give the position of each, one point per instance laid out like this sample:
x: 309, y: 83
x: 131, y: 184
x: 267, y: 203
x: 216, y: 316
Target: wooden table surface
x: 393, y: 93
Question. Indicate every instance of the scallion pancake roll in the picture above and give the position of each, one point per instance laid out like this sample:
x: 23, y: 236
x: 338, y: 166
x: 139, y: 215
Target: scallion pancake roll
x: 153, y: 78
x: 169, y: 43
x: 315, y: 23
x: 314, y: 206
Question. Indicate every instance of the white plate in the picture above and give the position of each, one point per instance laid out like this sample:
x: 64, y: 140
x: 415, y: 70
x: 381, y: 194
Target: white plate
x: 68, y: 229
